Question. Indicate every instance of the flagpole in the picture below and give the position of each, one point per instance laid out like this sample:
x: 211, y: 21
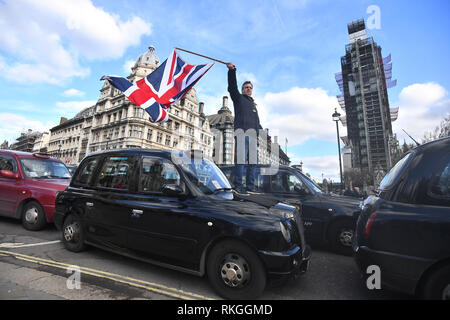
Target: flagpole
x: 201, y: 55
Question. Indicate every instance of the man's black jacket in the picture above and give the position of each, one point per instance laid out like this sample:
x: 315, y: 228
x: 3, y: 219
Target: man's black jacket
x: 245, y: 113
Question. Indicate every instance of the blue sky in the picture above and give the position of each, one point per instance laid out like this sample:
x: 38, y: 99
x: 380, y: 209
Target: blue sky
x: 54, y: 53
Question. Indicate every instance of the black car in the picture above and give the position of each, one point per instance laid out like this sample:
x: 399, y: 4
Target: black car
x: 179, y: 212
x: 405, y: 228
x: 72, y: 168
x: 327, y: 218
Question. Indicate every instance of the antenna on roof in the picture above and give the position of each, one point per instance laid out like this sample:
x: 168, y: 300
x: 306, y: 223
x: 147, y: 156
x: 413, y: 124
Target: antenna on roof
x: 418, y: 144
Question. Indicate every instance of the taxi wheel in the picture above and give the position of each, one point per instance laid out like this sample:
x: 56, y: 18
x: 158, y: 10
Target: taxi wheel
x: 437, y: 286
x: 33, y: 216
x: 235, y: 271
x: 341, y: 235
x: 73, y: 233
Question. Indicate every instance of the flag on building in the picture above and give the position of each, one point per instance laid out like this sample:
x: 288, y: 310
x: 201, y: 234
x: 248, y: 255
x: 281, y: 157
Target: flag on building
x: 163, y: 87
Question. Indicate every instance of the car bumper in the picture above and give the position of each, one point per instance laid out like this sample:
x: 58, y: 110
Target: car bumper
x: 398, y: 272
x: 286, y: 264
x: 58, y: 219
x: 49, y: 210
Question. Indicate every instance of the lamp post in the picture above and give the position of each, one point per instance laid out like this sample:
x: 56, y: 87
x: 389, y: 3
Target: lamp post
x: 336, y: 116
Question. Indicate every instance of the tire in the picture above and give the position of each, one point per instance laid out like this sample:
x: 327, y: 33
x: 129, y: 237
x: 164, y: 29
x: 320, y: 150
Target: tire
x: 33, y: 216
x: 73, y: 234
x: 340, y: 236
x: 235, y: 271
x: 437, y: 286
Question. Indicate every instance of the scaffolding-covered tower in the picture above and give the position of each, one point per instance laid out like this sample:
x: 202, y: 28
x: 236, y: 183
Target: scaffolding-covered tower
x: 363, y: 82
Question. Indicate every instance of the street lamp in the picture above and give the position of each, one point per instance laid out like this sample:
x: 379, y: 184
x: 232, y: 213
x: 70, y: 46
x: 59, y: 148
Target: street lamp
x: 336, y: 116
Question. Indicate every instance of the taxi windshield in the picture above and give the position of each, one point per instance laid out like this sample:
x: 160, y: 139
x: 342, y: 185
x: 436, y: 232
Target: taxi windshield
x: 44, y: 169
x: 206, y: 176
x: 311, y: 183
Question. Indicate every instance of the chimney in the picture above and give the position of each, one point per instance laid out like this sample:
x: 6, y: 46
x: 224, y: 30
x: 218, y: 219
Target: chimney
x: 225, y: 102
x: 201, y: 107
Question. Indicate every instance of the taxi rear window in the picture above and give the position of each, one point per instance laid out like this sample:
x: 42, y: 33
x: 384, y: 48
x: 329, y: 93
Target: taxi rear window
x: 391, y: 177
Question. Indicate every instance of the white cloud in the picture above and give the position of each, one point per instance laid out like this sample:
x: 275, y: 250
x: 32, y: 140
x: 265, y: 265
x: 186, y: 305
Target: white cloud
x: 299, y: 114
x: 328, y: 165
x: 70, y: 108
x: 422, y: 94
x: 73, y: 93
x: 11, y: 125
x: 127, y: 66
x: 422, y: 106
x: 46, y: 39
x: 246, y: 76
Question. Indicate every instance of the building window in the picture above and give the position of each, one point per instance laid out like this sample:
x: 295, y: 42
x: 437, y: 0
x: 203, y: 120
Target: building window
x: 159, y: 137
x: 135, y: 131
x: 138, y: 112
x: 149, y: 134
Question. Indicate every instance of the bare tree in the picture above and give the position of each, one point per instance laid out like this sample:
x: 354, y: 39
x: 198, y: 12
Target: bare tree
x: 440, y: 131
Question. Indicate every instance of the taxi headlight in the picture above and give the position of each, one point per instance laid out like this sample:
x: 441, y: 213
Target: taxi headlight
x: 285, y: 232
x: 289, y: 215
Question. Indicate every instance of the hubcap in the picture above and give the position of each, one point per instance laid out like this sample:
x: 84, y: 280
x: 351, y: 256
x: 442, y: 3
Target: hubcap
x: 71, y: 232
x: 235, y: 271
x: 345, y: 237
x: 446, y: 293
x: 31, y: 215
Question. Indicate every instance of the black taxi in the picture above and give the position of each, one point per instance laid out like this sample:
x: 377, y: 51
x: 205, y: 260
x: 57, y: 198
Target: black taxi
x: 178, y: 210
x: 404, y: 228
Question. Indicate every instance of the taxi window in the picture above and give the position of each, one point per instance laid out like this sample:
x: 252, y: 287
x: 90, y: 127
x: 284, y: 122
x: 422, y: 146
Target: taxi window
x: 390, y: 178
x: 115, y: 173
x: 285, y: 182
x: 8, y: 163
x: 86, y: 171
x: 439, y: 187
x: 155, y: 173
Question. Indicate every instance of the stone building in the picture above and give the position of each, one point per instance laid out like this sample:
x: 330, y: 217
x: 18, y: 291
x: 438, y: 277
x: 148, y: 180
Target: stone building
x: 26, y: 141
x: 222, y: 126
x: 114, y: 122
x: 41, y: 142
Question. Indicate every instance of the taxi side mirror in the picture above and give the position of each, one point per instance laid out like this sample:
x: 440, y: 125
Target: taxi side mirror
x: 300, y: 190
x: 9, y: 174
x: 172, y: 190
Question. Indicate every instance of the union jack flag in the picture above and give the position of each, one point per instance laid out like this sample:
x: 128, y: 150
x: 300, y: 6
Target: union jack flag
x: 163, y: 87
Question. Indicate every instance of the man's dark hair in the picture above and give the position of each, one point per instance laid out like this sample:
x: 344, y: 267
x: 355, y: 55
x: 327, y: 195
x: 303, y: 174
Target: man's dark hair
x: 245, y: 84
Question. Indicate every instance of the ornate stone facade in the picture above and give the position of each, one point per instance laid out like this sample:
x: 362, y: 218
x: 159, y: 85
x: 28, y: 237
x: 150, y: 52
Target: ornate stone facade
x: 114, y: 122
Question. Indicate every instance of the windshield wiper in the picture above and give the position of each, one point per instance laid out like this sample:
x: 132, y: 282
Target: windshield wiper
x: 221, y: 189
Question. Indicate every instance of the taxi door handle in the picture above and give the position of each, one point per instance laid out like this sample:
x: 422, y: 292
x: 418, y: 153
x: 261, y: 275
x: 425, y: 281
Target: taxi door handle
x: 137, y: 213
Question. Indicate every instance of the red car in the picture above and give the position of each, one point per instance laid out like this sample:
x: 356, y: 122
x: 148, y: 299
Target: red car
x: 28, y: 186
